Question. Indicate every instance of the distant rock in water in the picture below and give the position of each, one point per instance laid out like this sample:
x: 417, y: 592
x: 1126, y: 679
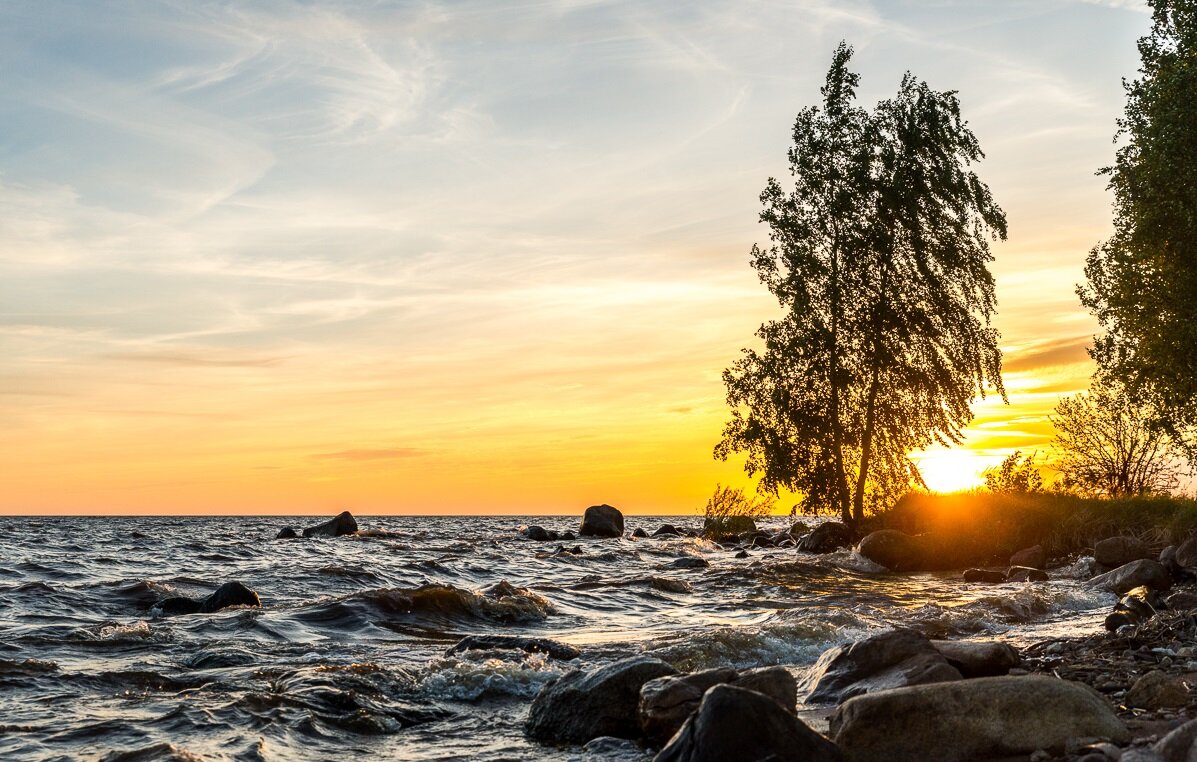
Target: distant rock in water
x: 825, y: 538
x: 896, y: 551
x: 1116, y: 551
x: 734, y: 723
x: 553, y: 648
x: 1034, y: 557
x: 639, y: 532
x: 539, y: 534
x: 1025, y: 574
x: 666, y: 530
x: 579, y: 706
x: 286, y: 533
x: 228, y: 594
x: 689, y: 562
x: 990, y: 576
x: 602, y: 521
x: 342, y: 523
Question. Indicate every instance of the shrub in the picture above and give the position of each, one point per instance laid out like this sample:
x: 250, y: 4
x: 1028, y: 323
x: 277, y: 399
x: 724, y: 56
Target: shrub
x: 729, y: 511
x: 1016, y: 475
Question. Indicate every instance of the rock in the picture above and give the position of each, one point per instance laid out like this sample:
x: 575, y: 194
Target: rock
x: 1137, y: 754
x: 973, y: 659
x: 1156, y: 690
x: 1168, y: 559
x: 228, y: 594
x: 797, y: 529
x: 608, y: 749
x: 689, y: 562
x: 1182, y: 600
x: 579, y: 706
x: 342, y: 523
x: 972, y: 719
x: 889, y: 660
x: 553, y: 648
x: 666, y: 702
x: 991, y: 576
x: 1025, y: 574
x: 602, y: 521
x: 639, y: 532
x: 286, y: 533
x: 1117, y: 551
x: 568, y: 536
x: 827, y: 537
x: 896, y: 551
x: 1033, y: 557
x: 1186, y: 554
x: 1137, y: 605
x: 742, y: 554
x: 738, y: 724
x: 539, y: 534
x: 1180, y: 745
x: 666, y: 530
x: 1132, y: 575
x: 775, y: 682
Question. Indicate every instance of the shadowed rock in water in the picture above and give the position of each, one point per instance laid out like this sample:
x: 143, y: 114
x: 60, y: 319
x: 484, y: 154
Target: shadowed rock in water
x: 553, y: 648
x: 990, y: 576
x: 342, y: 523
x: 1034, y: 557
x: 735, y: 723
x: 666, y: 702
x: 1116, y: 551
x: 1129, y: 576
x: 1025, y: 574
x: 826, y: 537
x: 228, y: 594
x: 896, y: 551
x: 602, y: 521
x: 579, y: 706
x: 286, y: 533
x: 888, y: 660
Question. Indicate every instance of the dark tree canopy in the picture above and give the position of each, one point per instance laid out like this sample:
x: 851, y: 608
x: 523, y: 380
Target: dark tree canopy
x: 879, y: 258
x: 1142, y: 282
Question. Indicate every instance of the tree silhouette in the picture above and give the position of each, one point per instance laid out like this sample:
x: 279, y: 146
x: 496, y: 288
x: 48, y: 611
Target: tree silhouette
x: 1142, y: 282
x: 879, y: 259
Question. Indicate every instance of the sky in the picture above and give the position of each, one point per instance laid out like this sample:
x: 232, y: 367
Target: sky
x: 456, y: 257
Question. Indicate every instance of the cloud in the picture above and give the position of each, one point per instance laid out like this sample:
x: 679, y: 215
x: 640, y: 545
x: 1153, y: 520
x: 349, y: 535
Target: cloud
x: 1049, y: 354
x: 195, y: 359
x: 393, y: 453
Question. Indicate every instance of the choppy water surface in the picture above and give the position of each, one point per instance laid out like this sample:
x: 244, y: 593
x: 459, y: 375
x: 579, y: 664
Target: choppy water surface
x: 346, y: 658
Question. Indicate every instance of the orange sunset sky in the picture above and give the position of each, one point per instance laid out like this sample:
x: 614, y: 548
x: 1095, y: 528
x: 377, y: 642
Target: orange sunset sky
x: 473, y: 257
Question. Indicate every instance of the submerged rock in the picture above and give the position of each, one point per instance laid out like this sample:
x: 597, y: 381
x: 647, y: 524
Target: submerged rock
x: 990, y: 576
x: 979, y: 659
x: 689, y: 562
x: 889, y: 660
x: 579, y: 706
x: 538, y: 533
x: 826, y: 538
x: 1025, y: 574
x: 286, y: 533
x: 639, y: 532
x: 342, y: 523
x: 1132, y: 575
x: 666, y: 530
x: 1033, y: 557
x: 602, y: 521
x: 735, y: 723
x: 985, y: 718
x: 553, y: 648
x: 1116, y: 551
x: 228, y: 594
x: 666, y: 702
x: 896, y: 551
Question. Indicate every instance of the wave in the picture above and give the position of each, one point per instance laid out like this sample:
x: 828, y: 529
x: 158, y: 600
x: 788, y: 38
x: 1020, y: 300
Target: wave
x: 470, y: 676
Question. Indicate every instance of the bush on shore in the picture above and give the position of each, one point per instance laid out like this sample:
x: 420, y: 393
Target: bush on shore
x: 730, y: 511
x: 981, y: 527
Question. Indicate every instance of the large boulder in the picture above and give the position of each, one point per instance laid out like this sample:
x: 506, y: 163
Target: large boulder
x: 1129, y: 576
x: 666, y: 702
x: 1180, y: 745
x: 889, y: 660
x: 602, y: 521
x: 1116, y: 551
x: 979, y: 659
x: 342, y: 523
x: 896, y: 551
x: 827, y: 537
x: 986, y: 718
x: 228, y: 594
x: 1034, y: 557
x: 739, y: 724
x: 581, y: 705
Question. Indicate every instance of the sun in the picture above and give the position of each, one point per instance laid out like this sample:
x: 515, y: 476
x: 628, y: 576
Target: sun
x: 951, y: 470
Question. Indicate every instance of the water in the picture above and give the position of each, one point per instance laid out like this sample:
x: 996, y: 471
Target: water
x: 346, y: 658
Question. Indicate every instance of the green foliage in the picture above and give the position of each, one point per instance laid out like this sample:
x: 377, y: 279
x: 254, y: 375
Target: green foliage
x: 1015, y: 475
x: 1142, y: 282
x: 879, y: 258
x: 729, y: 511
x: 1108, y: 446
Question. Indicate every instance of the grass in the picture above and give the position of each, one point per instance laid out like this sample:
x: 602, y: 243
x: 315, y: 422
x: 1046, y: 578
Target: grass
x: 976, y: 528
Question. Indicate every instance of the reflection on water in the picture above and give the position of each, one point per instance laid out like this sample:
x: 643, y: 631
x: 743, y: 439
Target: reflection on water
x: 346, y: 659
